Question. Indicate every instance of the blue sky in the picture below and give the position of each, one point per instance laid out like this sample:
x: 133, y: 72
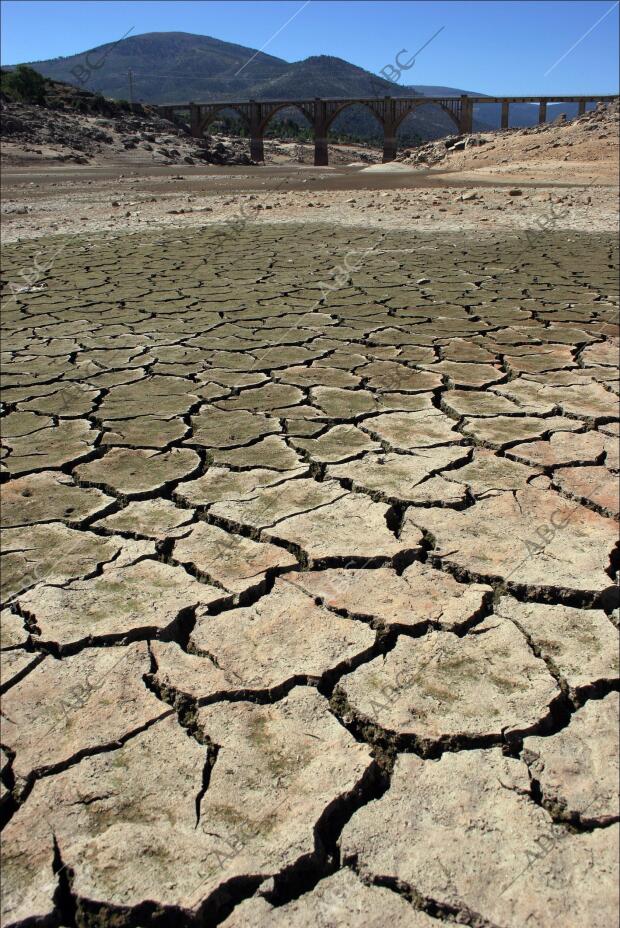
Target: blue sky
x: 508, y: 47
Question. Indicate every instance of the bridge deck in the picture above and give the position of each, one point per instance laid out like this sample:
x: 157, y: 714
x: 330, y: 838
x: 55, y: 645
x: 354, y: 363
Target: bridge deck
x: 583, y: 98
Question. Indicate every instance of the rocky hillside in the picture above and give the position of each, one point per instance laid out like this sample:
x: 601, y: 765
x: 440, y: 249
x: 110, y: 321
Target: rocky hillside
x: 589, y: 138
x: 78, y: 127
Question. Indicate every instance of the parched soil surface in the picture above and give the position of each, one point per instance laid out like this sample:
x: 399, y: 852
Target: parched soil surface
x: 308, y: 578
x: 80, y: 201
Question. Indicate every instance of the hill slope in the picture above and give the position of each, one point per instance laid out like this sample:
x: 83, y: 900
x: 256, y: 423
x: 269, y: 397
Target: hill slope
x: 197, y: 67
x: 176, y: 66
x: 168, y: 67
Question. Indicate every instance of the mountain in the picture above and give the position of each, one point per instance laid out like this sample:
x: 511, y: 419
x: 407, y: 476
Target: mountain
x: 171, y: 67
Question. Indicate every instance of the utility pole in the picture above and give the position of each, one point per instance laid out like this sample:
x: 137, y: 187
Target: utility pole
x: 130, y: 80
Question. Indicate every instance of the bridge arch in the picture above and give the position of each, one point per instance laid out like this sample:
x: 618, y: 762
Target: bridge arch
x: 266, y: 114
x: 355, y: 118
x: 260, y: 114
x: 407, y: 111
x: 347, y: 104
x: 406, y: 130
x: 273, y: 111
x: 211, y: 113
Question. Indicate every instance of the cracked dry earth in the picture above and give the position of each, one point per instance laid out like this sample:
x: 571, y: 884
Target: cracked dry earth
x: 308, y: 589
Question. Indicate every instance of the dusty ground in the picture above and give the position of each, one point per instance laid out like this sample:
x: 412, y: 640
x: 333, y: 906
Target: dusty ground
x: 309, y: 554
x: 91, y: 200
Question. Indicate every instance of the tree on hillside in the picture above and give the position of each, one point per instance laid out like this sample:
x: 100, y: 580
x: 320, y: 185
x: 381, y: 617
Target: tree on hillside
x: 24, y: 84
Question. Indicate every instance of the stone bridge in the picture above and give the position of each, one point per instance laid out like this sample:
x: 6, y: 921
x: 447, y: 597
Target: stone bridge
x: 389, y: 112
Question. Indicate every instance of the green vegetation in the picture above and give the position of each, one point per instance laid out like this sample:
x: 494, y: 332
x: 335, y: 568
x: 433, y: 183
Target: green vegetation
x: 24, y: 84
x: 286, y: 129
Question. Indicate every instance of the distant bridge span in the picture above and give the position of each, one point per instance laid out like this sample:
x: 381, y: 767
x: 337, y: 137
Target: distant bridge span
x: 389, y: 111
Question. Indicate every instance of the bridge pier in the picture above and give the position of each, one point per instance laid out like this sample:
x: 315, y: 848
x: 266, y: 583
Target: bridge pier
x: 321, y: 156
x: 505, y: 114
x: 194, y: 121
x: 390, y: 146
x: 466, y: 120
x: 390, y: 127
x: 257, y: 148
x: 542, y: 112
x: 582, y: 107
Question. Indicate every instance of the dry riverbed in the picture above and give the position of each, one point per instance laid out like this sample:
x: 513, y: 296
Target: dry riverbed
x: 38, y: 203
x: 309, y: 551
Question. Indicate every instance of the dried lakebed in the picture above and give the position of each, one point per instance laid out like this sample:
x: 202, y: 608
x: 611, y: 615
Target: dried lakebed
x: 309, y: 548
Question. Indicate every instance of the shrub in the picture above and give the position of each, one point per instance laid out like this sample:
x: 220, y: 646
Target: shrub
x: 24, y: 84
